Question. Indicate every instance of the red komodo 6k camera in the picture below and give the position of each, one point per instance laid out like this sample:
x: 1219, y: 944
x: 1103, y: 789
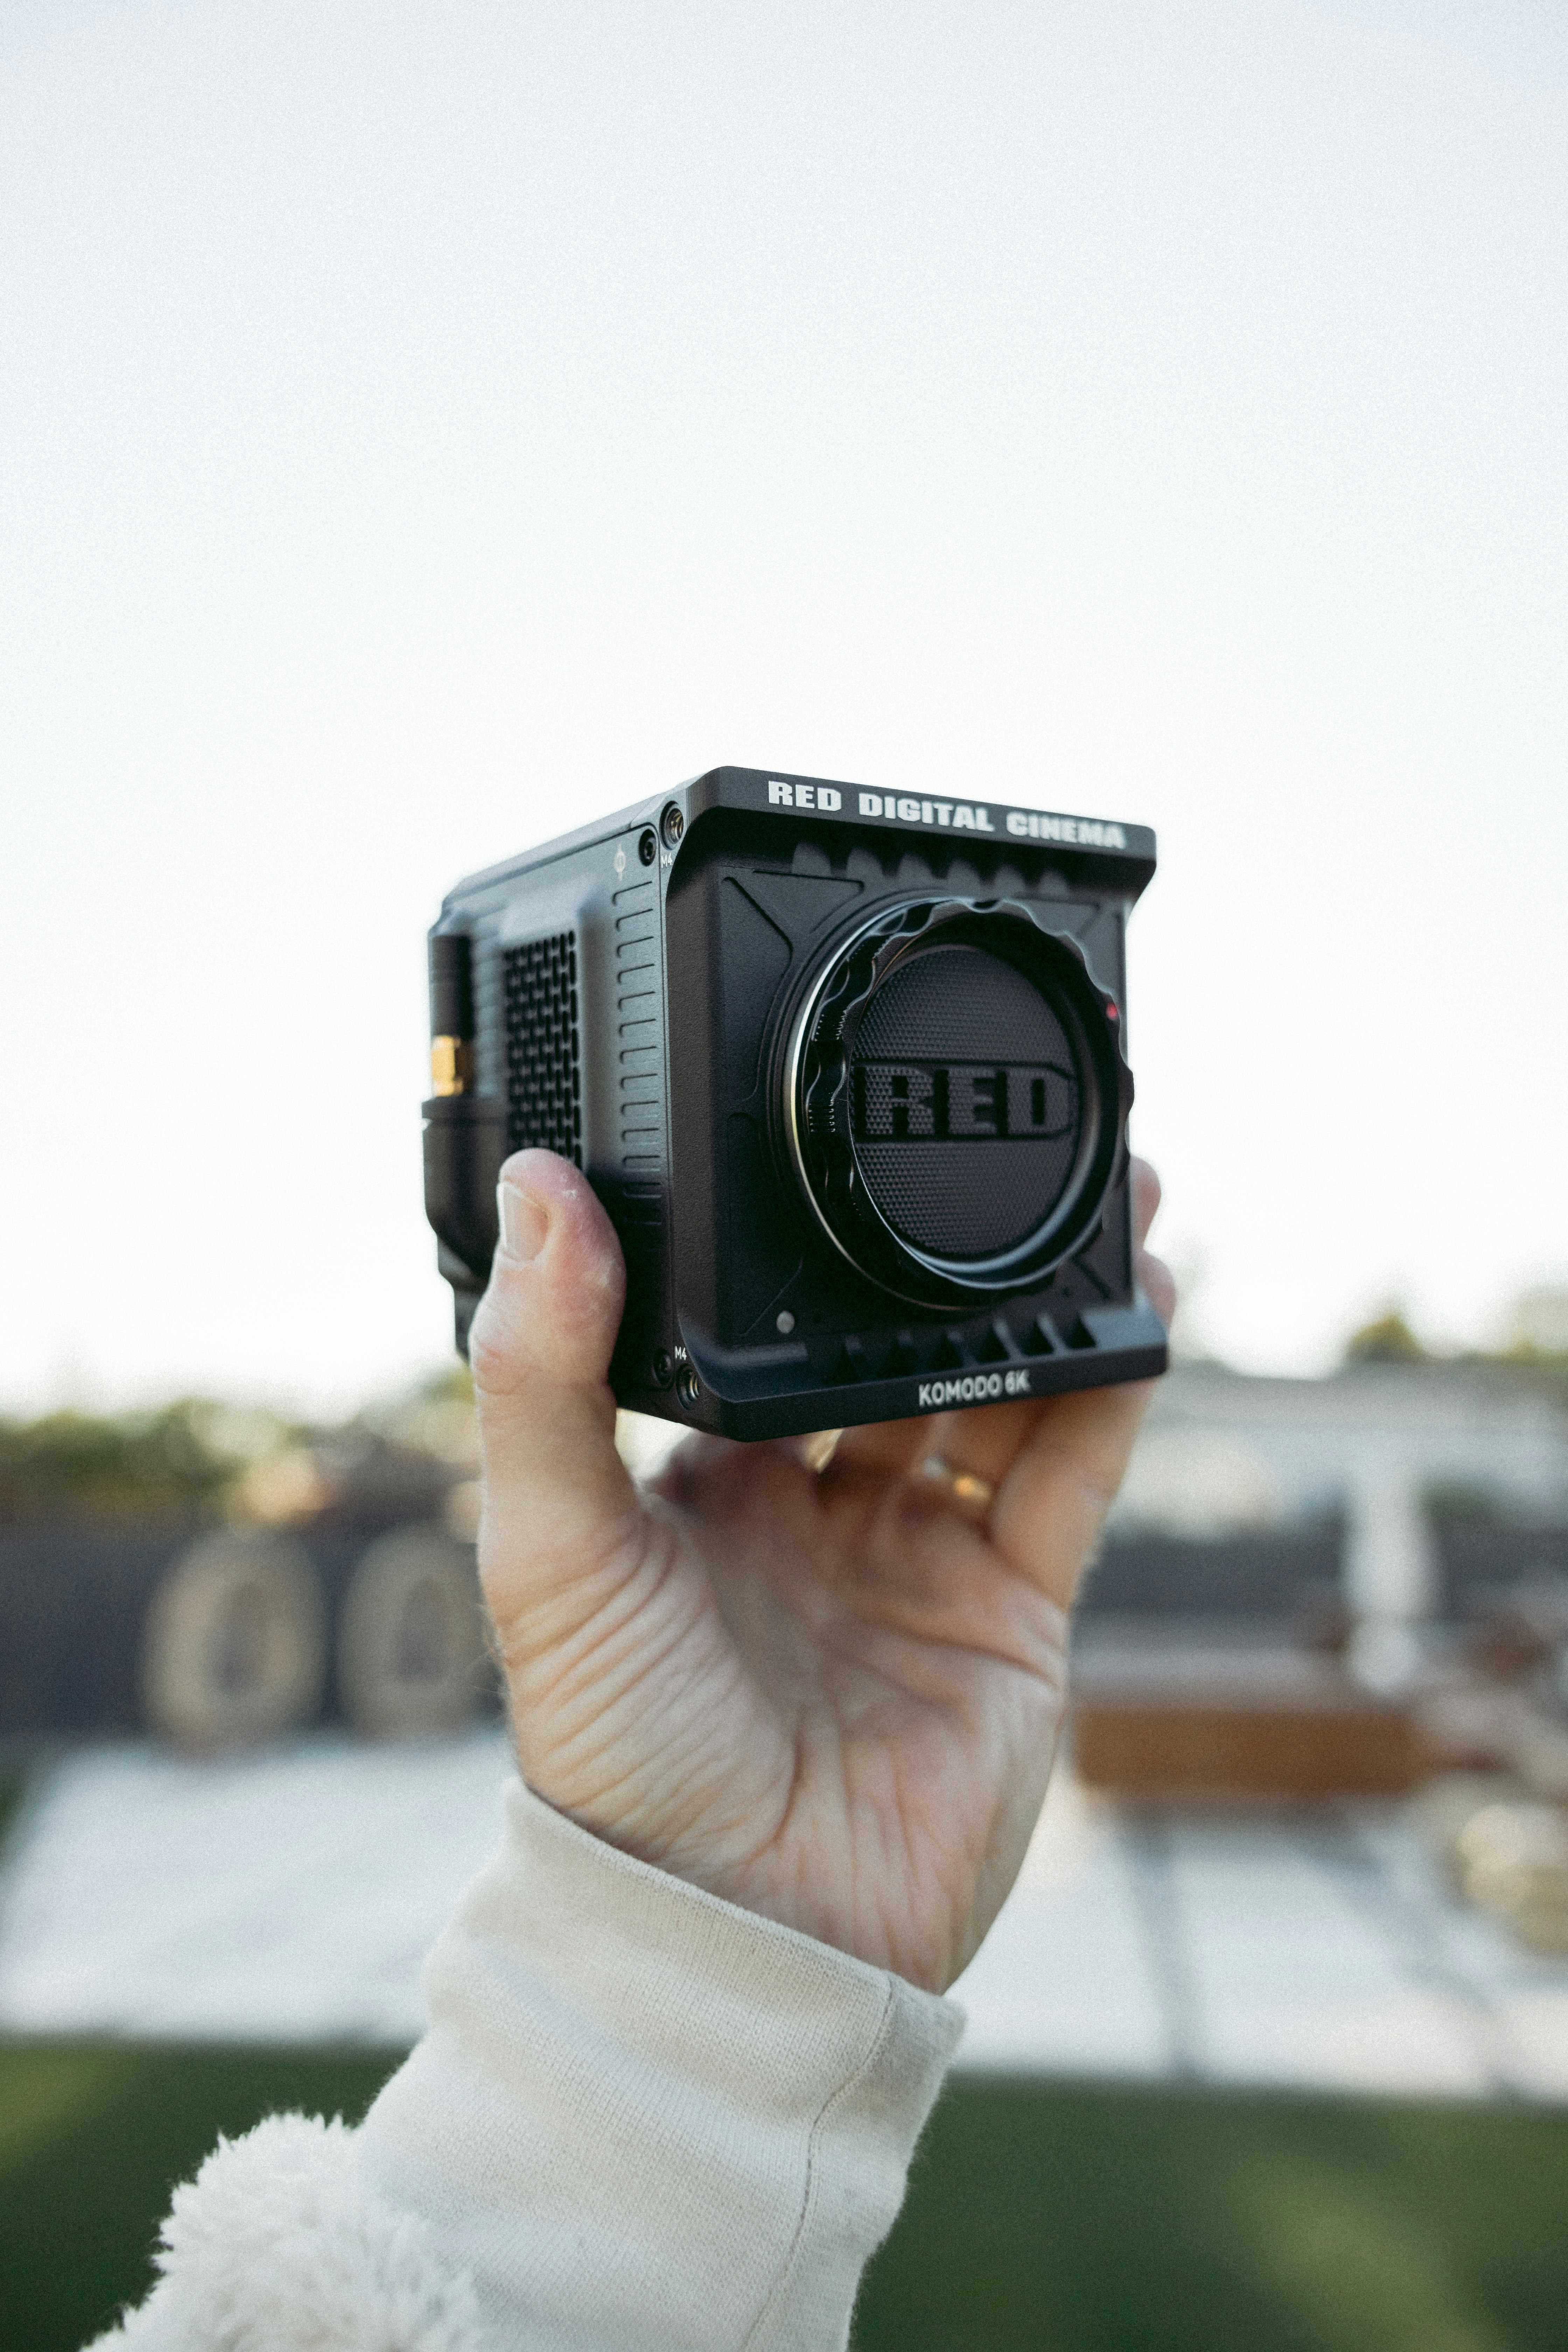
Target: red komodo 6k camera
x: 848, y: 1069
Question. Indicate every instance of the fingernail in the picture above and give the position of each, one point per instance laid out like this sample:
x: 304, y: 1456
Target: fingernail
x: 524, y: 1224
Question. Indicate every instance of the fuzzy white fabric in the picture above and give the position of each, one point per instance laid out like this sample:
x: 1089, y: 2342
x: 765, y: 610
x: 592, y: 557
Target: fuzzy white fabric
x: 642, y: 2120
x: 276, y: 2247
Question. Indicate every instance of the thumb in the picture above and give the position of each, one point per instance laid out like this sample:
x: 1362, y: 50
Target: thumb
x: 557, y: 1501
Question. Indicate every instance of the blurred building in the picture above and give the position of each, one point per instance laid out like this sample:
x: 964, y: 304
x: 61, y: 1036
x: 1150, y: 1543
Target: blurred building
x: 1323, y: 1587
x: 1386, y: 1462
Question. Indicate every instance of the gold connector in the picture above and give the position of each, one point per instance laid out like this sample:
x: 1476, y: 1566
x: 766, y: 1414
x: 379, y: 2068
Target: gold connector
x: 451, y: 1066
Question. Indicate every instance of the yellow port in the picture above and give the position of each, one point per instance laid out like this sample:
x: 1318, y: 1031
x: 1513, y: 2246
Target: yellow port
x: 451, y: 1066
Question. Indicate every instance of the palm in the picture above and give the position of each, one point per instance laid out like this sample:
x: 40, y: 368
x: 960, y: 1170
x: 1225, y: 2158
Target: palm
x: 831, y: 1698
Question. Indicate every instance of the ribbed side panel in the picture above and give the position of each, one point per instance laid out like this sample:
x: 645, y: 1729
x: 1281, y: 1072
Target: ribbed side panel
x: 639, y: 1031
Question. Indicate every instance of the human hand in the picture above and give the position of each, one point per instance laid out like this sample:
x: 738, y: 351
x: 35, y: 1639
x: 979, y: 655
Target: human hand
x: 832, y: 1696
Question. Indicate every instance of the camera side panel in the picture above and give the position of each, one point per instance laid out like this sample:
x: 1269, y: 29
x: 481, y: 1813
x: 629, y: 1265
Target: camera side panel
x: 570, y: 1054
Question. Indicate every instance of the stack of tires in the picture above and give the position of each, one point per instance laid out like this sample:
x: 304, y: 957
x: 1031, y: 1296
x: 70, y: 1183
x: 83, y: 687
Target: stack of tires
x: 236, y: 1643
x: 229, y: 1637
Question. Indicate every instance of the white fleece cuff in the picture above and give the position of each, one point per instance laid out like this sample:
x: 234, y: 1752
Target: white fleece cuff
x: 276, y: 2247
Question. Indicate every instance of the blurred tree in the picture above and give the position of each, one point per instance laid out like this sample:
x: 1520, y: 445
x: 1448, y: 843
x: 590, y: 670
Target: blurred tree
x: 197, y: 1462
x: 128, y: 1467
x: 1388, y: 1340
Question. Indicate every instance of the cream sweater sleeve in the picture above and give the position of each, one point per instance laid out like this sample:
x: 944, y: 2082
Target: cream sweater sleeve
x: 641, y: 2121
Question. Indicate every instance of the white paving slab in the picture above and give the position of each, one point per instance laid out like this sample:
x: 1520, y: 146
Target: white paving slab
x: 290, y: 1896
x: 1297, y: 1975
x: 1066, y: 1982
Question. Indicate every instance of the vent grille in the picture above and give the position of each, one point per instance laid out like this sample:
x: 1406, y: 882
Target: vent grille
x: 543, y: 1049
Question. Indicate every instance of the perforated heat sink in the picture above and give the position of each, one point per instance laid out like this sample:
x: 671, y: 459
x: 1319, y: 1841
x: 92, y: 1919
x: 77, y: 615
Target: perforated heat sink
x: 543, y: 1047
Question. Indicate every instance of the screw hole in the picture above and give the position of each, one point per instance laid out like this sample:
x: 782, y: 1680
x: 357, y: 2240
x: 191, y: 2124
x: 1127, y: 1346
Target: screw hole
x: 689, y: 1390
x: 672, y: 824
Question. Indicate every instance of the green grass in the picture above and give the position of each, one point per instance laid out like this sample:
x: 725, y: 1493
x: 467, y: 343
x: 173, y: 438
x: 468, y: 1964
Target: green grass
x: 1046, y: 2220
x: 92, y: 2140
x: 1039, y: 2217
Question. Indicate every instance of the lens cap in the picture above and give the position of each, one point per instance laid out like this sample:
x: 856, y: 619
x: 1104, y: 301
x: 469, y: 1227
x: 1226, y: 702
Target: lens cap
x: 957, y: 1099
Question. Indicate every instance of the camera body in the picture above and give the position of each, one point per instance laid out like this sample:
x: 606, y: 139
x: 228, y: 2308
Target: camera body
x: 847, y: 1069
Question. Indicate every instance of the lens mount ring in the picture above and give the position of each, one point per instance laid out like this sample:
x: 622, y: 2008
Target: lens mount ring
x: 879, y: 1142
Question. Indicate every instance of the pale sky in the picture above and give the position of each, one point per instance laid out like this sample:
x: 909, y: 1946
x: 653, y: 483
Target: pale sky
x: 424, y: 426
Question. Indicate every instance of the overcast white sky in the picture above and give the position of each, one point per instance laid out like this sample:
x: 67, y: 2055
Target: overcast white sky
x: 422, y: 426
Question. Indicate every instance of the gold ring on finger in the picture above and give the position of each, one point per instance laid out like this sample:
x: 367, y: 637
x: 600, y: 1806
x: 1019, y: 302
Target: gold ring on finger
x: 966, y: 1488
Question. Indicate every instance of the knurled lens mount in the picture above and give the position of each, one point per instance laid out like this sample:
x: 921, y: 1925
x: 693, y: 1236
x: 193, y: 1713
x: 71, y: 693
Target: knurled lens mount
x: 956, y: 1098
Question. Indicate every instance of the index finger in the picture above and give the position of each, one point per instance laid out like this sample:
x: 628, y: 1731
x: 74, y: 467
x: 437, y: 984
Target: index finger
x: 1052, y: 1502
x: 1147, y: 1190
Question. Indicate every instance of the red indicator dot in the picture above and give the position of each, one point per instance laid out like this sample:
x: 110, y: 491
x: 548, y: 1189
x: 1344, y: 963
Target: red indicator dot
x: 1111, y: 1014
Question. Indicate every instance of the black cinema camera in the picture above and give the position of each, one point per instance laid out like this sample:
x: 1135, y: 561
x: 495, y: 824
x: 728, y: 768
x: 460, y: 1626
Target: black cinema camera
x: 845, y: 1068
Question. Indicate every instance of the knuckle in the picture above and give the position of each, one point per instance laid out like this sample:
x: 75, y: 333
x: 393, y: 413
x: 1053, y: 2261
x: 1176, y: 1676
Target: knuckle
x: 494, y: 1354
